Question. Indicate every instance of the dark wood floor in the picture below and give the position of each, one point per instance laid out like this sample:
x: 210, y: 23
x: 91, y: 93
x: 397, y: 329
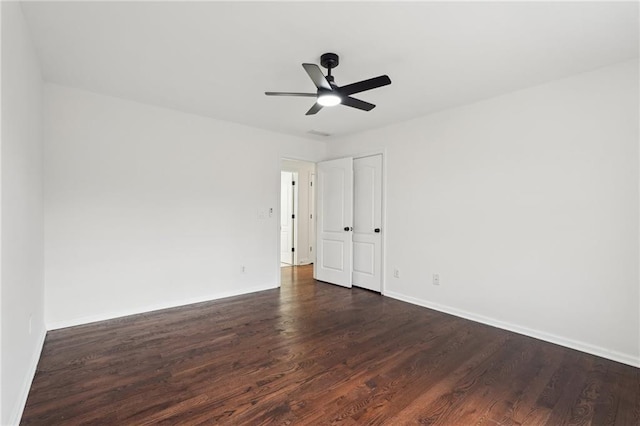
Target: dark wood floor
x: 313, y: 353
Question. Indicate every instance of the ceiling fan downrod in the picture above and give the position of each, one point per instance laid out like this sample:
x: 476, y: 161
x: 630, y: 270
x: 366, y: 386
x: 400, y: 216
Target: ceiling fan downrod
x: 329, y: 61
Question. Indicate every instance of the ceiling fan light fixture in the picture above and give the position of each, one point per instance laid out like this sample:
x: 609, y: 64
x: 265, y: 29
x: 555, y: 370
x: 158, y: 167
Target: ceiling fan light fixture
x: 329, y: 99
x: 329, y: 93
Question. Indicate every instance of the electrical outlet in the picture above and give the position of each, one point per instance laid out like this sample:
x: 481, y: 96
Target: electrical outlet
x: 396, y: 273
x: 243, y: 268
x: 436, y: 279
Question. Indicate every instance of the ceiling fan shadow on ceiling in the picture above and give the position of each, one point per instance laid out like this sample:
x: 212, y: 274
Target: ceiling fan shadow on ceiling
x: 329, y: 93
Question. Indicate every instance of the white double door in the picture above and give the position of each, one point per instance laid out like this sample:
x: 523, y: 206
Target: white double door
x: 349, y: 222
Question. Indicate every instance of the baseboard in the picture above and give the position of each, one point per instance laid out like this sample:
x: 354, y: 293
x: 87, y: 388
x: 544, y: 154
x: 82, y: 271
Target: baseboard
x: 537, y: 334
x: 16, y: 415
x: 55, y: 325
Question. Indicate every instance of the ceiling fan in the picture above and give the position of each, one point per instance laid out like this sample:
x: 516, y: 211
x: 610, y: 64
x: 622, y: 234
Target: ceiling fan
x: 329, y: 93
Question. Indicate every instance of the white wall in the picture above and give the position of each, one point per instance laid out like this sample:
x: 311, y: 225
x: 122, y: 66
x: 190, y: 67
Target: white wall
x: 147, y: 207
x: 304, y: 233
x: 526, y: 205
x: 22, y: 288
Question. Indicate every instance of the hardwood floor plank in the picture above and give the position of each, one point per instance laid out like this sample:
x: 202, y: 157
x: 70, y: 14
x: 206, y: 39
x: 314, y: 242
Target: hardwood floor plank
x: 628, y: 392
x: 313, y: 353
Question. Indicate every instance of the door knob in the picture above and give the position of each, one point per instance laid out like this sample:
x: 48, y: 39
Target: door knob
x: 346, y: 228
x: 376, y: 230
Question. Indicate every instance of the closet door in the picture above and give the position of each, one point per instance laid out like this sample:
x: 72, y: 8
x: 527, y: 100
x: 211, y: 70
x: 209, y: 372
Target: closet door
x: 367, y: 223
x: 334, y: 221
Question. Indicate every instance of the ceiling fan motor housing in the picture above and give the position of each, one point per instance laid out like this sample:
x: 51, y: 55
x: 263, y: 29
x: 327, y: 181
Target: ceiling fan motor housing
x: 329, y: 60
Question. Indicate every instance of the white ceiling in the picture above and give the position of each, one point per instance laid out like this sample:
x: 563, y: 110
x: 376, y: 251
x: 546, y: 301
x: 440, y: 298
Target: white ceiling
x: 217, y: 59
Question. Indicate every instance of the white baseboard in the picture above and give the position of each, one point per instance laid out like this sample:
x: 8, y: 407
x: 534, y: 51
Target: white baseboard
x: 16, y: 415
x: 55, y: 325
x: 537, y: 334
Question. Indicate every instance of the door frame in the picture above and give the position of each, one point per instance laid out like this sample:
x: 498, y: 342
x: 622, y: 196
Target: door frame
x: 358, y: 154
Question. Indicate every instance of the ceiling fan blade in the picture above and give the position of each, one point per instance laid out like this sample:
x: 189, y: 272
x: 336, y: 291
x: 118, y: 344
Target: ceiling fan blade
x: 306, y: 95
x: 314, y: 109
x: 363, y: 85
x: 316, y: 76
x: 357, y: 103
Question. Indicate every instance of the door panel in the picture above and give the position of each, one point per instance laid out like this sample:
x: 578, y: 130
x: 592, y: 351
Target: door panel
x: 333, y: 206
x: 367, y: 244
x: 364, y: 257
x: 364, y: 176
x: 333, y: 255
x: 335, y: 214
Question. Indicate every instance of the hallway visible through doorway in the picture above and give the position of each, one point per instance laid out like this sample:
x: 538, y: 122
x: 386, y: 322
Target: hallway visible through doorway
x: 297, y: 213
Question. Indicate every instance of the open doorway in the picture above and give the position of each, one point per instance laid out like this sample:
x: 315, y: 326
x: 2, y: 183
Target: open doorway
x: 297, y: 213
